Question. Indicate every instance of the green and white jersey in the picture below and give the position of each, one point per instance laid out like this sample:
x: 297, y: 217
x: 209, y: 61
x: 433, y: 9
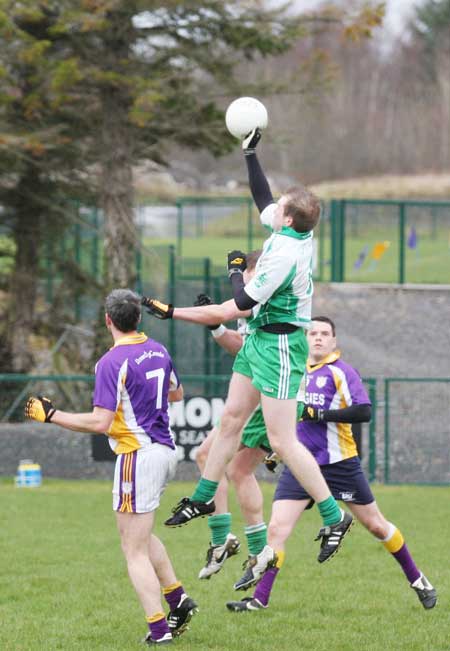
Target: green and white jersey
x: 282, y: 284
x: 242, y: 327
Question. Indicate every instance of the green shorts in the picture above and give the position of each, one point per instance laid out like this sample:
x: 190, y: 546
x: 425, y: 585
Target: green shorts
x: 275, y: 363
x: 254, y: 434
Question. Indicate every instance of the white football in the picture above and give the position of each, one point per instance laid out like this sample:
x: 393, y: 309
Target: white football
x: 245, y: 114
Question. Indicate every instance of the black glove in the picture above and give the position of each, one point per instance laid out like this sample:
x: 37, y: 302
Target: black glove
x: 237, y: 262
x: 250, y: 141
x: 271, y: 461
x: 156, y: 308
x: 204, y: 299
x: 312, y: 414
x: 40, y: 409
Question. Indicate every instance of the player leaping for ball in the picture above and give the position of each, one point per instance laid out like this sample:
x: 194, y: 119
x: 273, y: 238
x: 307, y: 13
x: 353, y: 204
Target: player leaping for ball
x: 271, y: 364
x: 335, y: 397
x: 254, y: 446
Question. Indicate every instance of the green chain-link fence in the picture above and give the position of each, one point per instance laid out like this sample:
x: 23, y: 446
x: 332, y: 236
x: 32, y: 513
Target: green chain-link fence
x: 389, y: 241
x: 417, y: 430
x: 191, y: 419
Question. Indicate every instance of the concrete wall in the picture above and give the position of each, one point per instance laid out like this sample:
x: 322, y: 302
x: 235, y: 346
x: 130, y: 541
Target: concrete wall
x: 390, y: 330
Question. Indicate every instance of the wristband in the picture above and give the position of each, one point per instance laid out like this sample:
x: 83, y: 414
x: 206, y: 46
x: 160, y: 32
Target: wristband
x: 218, y: 332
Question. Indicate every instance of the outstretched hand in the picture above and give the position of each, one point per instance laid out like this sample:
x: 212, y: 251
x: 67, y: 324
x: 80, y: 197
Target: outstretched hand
x: 250, y: 141
x: 156, y: 308
x: 202, y: 299
x: 40, y: 409
x: 236, y: 262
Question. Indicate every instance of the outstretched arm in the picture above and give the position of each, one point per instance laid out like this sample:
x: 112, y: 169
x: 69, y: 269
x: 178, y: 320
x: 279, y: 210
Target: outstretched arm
x: 202, y: 314
x: 41, y: 409
x: 210, y: 314
x: 259, y: 185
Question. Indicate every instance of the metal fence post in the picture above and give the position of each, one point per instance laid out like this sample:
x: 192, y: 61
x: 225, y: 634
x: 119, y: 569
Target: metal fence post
x: 179, y: 206
x: 337, y: 217
x: 217, y: 295
x: 206, y: 331
x: 342, y: 215
x: 386, y: 431
x: 401, y: 236
x: 139, y: 268
x: 372, y: 431
x: 333, y: 234
x: 172, y: 298
x: 321, y: 252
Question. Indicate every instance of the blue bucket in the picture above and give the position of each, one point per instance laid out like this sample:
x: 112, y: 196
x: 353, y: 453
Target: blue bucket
x: 29, y: 474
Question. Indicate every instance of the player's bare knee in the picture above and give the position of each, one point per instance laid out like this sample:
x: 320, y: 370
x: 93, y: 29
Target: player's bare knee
x: 133, y: 546
x: 376, y: 527
x: 277, y: 445
x: 236, y: 473
x: 127, y: 548
x: 231, y: 423
x: 134, y: 553
x: 278, y: 532
x: 233, y: 474
x: 200, y: 458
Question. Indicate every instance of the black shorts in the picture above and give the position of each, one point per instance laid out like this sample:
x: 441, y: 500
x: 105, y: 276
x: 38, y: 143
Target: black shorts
x: 345, y: 479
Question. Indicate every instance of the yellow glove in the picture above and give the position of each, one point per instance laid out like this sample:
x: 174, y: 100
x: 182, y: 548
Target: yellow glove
x: 40, y: 409
x: 156, y: 308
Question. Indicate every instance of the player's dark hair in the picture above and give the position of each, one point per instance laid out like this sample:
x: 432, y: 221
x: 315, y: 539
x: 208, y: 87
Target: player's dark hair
x: 124, y: 309
x: 325, y: 319
x: 252, y: 258
x: 304, y: 208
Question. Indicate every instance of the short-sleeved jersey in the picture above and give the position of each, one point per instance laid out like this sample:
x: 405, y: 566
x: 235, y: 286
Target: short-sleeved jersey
x: 332, y: 384
x: 282, y: 284
x: 133, y: 380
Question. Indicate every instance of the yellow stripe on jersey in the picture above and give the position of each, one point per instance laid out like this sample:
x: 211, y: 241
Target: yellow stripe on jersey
x: 126, y: 440
x: 329, y: 359
x: 137, y: 338
x: 346, y: 441
x: 120, y: 430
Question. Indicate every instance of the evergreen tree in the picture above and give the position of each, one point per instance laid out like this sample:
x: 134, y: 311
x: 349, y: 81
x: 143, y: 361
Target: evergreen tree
x: 89, y: 88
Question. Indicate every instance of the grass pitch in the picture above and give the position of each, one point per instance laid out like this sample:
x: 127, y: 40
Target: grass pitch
x: 64, y: 583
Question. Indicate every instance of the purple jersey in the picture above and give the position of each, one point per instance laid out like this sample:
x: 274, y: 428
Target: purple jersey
x: 332, y: 384
x: 133, y: 380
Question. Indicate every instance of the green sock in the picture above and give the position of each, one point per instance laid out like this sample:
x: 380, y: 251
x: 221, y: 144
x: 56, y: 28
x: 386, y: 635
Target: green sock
x: 220, y: 526
x: 256, y: 538
x: 330, y: 511
x: 205, y: 490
